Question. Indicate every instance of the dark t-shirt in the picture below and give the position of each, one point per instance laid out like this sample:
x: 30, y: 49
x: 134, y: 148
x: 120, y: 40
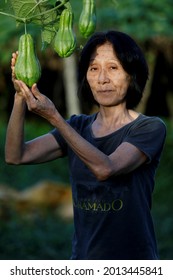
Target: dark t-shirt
x: 112, y: 218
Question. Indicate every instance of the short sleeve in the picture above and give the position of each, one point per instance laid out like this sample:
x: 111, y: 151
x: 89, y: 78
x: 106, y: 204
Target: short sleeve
x: 59, y: 137
x: 78, y: 122
x: 60, y: 140
x: 148, y: 135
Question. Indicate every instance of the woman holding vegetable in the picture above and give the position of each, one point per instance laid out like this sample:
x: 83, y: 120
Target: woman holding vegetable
x: 113, y: 154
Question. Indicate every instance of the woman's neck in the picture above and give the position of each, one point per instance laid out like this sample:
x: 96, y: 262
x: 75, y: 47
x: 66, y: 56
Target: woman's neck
x: 110, y: 119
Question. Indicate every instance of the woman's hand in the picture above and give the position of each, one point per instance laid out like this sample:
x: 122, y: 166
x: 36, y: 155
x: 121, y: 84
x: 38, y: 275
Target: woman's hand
x: 37, y: 102
x: 13, y: 62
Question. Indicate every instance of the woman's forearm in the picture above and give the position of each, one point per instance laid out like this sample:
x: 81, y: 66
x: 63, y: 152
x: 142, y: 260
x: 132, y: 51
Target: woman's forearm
x: 15, y: 132
x: 95, y: 160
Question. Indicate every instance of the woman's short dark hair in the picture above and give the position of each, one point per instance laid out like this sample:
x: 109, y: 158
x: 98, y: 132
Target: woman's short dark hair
x: 131, y: 58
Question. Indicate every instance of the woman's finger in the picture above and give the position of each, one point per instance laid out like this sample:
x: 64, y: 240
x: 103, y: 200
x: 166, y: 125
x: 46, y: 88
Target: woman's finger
x: 35, y: 91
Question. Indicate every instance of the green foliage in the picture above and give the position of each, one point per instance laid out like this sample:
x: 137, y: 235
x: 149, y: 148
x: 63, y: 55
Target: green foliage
x: 43, y: 13
x: 142, y: 19
x: 42, y: 238
x: 163, y: 197
x: 26, y: 175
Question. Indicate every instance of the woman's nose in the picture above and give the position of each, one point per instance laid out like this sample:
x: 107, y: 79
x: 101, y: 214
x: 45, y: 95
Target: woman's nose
x: 103, y: 77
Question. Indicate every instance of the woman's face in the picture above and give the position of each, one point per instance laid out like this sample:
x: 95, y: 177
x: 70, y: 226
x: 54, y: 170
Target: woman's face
x: 107, y: 78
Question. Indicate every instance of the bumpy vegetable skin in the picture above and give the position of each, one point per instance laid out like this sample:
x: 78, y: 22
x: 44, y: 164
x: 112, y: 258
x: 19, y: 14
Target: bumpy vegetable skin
x: 87, y: 20
x: 65, y: 40
x: 27, y: 67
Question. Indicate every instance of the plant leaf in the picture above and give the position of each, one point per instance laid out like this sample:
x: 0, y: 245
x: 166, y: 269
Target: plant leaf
x: 44, y: 13
x: 29, y: 10
x: 41, y: 12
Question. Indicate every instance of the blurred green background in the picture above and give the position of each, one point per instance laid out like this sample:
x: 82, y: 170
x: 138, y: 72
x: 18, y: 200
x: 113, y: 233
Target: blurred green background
x: 47, y: 235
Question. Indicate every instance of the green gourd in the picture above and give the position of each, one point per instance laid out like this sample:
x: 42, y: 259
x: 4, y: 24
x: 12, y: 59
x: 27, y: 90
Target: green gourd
x: 87, y: 20
x: 27, y: 67
x: 65, y: 40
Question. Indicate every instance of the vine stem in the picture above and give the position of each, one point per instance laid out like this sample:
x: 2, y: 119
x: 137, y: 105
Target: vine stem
x: 13, y: 16
x: 24, y: 20
x: 25, y: 29
x: 48, y: 11
x: 38, y: 3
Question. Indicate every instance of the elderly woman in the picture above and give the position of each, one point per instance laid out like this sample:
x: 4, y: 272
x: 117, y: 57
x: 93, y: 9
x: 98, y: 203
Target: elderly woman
x: 113, y: 154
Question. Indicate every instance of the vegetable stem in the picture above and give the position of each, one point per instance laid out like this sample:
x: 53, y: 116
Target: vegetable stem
x: 26, y: 19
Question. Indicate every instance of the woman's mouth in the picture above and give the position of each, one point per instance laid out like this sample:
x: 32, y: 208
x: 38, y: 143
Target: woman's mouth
x: 104, y: 91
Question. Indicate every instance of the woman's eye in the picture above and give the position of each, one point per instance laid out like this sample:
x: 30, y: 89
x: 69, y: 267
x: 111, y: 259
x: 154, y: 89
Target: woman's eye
x: 113, y: 67
x: 93, y: 69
